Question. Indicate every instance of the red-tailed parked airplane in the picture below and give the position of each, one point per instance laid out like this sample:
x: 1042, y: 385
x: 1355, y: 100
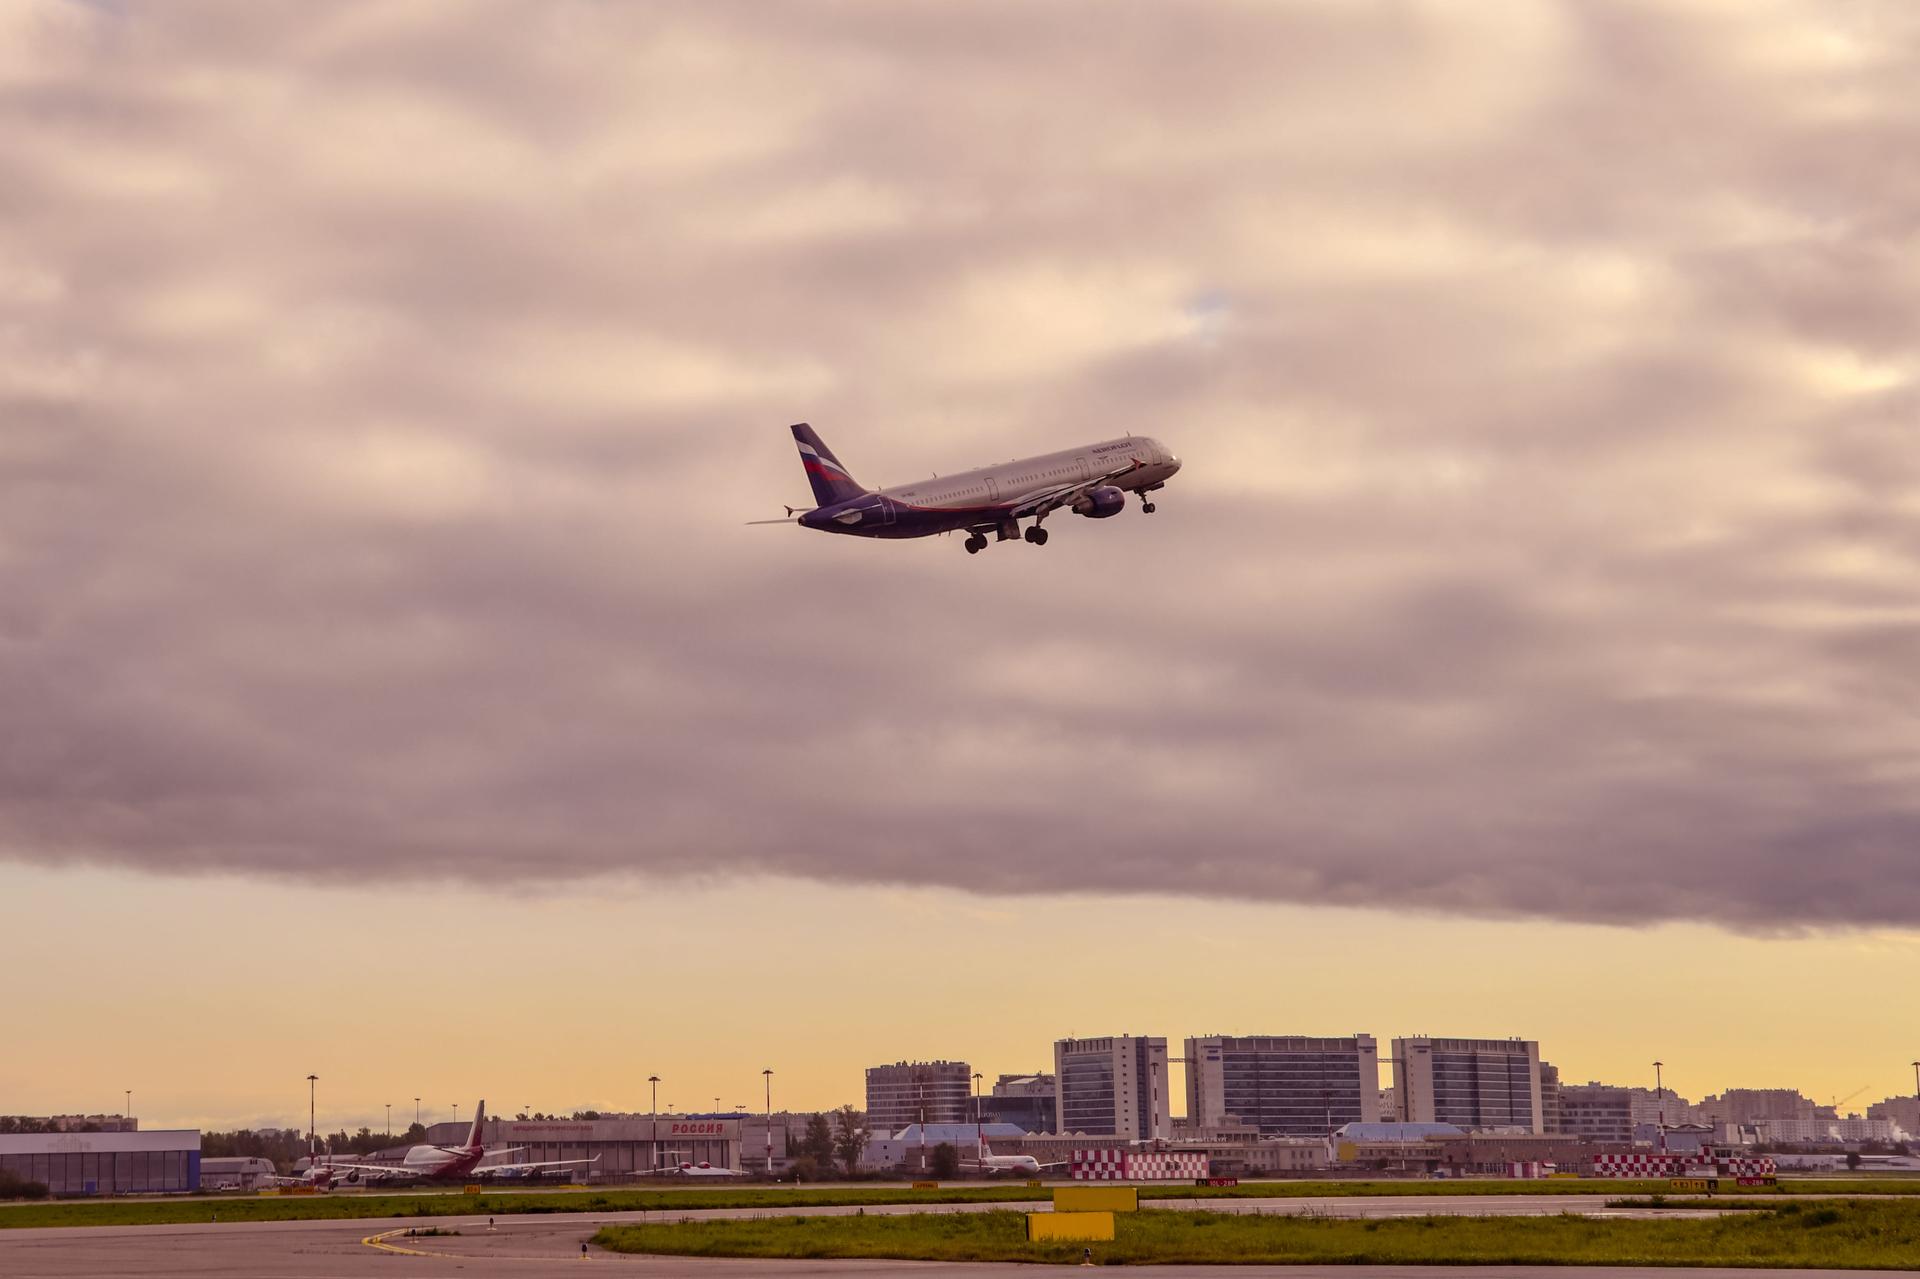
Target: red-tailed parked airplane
x: 436, y: 1163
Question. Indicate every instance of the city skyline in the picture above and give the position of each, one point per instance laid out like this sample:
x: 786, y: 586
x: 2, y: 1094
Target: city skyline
x: 367, y: 1036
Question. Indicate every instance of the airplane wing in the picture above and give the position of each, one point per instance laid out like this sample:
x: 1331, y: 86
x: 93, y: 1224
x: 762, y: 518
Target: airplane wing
x: 494, y: 1170
x: 1044, y: 500
x: 369, y: 1172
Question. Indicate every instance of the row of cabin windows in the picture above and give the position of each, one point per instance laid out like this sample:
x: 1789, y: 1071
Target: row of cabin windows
x: 1052, y: 473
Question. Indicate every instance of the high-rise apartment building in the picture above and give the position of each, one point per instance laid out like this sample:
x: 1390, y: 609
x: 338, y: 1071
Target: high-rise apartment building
x: 910, y: 1092
x: 1904, y: 1112
x: 1283, y: 1085
x: 1112, y: 1086
x: 1473, y: 1083
x: 1551, y: 1120
x: 1749, y: 1105
x: 1597, y: 1112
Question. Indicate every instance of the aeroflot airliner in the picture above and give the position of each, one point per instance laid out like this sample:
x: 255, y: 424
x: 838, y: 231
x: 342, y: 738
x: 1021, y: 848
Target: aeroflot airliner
x: 1092, y: 481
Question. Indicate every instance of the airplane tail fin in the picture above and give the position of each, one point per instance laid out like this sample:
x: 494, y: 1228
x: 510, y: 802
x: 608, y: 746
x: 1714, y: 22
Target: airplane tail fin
x: 830, y: 480
x: 479, y: 1118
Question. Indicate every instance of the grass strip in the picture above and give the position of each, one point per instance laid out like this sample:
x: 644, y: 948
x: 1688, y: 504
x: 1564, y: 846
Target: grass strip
x: 355, y: 1205
x: 1848, y: 1234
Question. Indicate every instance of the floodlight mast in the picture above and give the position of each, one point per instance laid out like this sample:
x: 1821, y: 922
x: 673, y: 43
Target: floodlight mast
x: 1660, y: 1099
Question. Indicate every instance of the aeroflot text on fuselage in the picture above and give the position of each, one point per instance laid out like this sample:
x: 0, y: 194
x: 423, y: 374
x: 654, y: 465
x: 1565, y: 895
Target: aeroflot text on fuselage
x: 1091, y: 481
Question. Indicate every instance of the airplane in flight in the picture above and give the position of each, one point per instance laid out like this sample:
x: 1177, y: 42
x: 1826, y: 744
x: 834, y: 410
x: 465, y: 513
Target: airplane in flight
x: 437, y: 1163
x: 1092, y: 480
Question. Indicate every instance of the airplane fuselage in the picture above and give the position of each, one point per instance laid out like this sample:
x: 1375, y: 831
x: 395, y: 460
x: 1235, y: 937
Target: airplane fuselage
x: 994, y: 496
x: 420, y: 1163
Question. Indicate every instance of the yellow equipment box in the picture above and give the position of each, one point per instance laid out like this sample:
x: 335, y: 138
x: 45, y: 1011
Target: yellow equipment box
x: 926, y: 1185
x: 1096, y: 1199
x: 1069, y: 1225
x: 474, y: 1190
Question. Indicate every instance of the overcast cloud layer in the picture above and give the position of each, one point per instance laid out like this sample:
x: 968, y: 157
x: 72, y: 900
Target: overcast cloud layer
x: 383, y: 388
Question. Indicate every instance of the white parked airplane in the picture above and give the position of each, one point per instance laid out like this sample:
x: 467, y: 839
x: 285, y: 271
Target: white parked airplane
x: 437, y: 1163
x: 701, y: 1169
x: 1019, y: 1165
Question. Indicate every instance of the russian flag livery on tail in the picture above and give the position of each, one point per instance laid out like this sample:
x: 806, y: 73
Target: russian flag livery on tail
x: 1092, y: 481
x: 830, y: 480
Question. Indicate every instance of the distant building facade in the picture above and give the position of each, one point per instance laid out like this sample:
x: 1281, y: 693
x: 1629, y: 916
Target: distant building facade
x: 1653, y: 1107
x: 1112, y: 1086
x: 1851, y: 1130
x: 1597, y: 1112
x: 1746, y: 1105
x: 1026, y: 1101
x: 1283, y: 1085
x: 1551, y: 1120
x: 1902, y: 1112
x: 1479, y: 1084
x: 911, y: 1092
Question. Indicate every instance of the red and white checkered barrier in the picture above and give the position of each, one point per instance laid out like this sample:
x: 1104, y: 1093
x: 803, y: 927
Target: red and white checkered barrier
x: 1649, y: 1164
x: 1136, y: 1165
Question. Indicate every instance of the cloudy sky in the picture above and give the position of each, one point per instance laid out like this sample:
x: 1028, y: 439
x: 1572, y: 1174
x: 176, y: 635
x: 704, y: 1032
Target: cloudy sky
x: 384, y: 389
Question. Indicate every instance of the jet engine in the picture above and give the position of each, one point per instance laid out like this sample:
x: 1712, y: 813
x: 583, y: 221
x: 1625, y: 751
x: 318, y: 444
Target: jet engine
x: 1100, y: 503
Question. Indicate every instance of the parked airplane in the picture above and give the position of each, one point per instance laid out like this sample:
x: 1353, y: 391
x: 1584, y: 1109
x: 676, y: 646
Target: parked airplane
x: 1020, y: 1165
x: 1093, y: 481
x: 437, y: 1163
x: 701, y: 1169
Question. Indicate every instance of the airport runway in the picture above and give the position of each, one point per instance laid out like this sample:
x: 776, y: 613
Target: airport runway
x: 528, y: 1245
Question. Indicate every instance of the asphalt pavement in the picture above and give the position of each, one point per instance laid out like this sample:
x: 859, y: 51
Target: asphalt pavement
x: 518, y: 1246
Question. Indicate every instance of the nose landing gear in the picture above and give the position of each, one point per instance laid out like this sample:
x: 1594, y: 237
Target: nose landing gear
x: 1146, y: 508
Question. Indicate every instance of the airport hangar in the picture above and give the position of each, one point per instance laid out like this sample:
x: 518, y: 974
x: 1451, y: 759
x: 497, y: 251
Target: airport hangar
x: 105, y: 1163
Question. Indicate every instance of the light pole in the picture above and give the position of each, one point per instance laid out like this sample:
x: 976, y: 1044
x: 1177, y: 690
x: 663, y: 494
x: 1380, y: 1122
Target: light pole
x: 1660, y: 1100
x: 653, y: 1120
x: 456, y: 1114
x: 979, y: 1128
x: 127, y: 1113
x: 311, y: 1131
x: 389, y: 1121
x: 768, y: 1076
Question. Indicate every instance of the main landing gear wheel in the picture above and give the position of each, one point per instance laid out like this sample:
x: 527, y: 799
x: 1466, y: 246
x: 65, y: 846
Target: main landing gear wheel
x: 976, y: 544
x: 1037, y: 535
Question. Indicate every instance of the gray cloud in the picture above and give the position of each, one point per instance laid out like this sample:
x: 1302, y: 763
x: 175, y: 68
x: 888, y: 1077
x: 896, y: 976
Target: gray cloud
x: 382, y: 390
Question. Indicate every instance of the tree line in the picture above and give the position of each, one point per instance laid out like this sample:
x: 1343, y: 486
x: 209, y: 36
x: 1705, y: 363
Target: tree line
x: 287, y: 1146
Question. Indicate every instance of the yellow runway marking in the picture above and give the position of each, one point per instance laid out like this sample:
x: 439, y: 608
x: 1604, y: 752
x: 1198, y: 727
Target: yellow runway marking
x: 380, y: 1241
